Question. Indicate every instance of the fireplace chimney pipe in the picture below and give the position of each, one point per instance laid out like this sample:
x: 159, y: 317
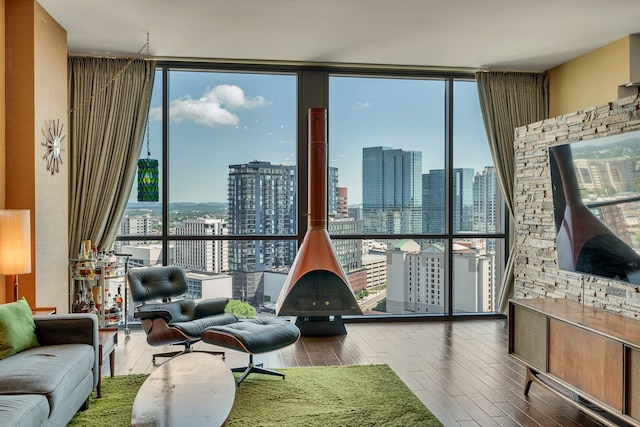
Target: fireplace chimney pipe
x: 317, y: 169
x: 316, y: 289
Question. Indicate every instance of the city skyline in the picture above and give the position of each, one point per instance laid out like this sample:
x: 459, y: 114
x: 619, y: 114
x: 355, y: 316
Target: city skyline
x: 232, y: 139
x: 220, y: 119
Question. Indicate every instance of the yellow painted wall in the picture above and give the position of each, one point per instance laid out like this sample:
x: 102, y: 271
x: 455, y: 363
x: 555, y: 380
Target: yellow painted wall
x: 2, y: 123
x: 590, y: 79
x: 19, y: 130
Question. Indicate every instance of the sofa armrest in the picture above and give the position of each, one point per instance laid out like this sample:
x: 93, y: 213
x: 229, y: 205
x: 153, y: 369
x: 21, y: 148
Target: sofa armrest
x: 67, y: 329
x: 81, y: 328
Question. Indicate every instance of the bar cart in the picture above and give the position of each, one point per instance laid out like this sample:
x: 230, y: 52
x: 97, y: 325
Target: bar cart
x: 98, y: 285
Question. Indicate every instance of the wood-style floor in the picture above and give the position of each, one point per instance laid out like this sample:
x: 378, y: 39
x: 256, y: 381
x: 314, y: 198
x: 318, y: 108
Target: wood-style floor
x: 459, y: 369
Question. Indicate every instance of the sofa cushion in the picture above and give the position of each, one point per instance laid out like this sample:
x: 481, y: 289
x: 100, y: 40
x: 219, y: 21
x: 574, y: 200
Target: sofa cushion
x: 17, y: 329
x: 23, y: 410
x: 53, y: 371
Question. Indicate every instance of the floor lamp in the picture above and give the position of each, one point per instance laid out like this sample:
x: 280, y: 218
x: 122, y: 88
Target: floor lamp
x: 15, y: 245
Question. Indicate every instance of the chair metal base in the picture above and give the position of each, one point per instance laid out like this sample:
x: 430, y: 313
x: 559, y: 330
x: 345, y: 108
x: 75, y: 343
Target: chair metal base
x: 187, y: 349
x: 258, y: 369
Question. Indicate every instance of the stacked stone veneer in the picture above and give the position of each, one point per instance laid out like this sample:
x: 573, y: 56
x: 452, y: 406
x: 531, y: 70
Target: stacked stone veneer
x: 536, y: 264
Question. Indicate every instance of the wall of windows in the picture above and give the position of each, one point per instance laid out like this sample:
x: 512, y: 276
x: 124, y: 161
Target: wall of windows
x: 415, y: 215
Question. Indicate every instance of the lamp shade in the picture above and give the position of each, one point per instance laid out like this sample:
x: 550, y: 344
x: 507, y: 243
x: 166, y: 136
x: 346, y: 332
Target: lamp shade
x: 15, y: 242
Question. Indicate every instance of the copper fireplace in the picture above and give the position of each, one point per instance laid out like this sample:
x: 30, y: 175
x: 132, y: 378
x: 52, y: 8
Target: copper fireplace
x: 317, y: 290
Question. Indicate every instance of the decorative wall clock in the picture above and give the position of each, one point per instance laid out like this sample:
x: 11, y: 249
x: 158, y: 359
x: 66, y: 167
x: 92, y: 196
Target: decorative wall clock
x: 54, y: 147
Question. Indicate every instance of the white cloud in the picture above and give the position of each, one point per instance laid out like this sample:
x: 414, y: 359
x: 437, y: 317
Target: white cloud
x: 361, y: 105
x: 214, y: 108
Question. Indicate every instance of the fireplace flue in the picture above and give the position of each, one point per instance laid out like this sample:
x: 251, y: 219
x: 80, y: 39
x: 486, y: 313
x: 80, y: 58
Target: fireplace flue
x: 317, y: 290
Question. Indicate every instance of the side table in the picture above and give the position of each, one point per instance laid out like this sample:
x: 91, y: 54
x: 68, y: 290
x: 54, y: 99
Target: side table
x: 44, y: 310
x: 108, y: 341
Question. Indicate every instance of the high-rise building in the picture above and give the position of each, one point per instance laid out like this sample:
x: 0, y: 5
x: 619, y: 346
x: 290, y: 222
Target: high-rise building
x: 348, y: 251
x: 332, y: 192
x: 416, y: 282
x: 262, y: 200
x: 433, y: 201
x: 484, y: 201
x: 136, y: 225
x: 207, y: 285
x: 391, y: 190
x: 473, y: 278
x: 604, y: 177
x: 343, y: 208
x: 211, y: 256
x: 376, y: 266
x: 147, y: 255
x: 355, y: 212
x: 415, y: 278
x: 139, y: 225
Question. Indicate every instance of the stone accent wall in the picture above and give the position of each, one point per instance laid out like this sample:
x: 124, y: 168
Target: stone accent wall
x: 536, y: 263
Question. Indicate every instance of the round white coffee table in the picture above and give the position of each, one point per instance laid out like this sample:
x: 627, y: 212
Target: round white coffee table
x: 193, y: 389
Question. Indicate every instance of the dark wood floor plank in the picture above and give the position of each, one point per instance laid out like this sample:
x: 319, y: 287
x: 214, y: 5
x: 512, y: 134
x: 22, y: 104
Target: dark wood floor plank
x: 460, y: 370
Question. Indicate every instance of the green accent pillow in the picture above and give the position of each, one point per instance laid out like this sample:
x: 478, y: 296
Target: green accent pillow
x: 17, y: 329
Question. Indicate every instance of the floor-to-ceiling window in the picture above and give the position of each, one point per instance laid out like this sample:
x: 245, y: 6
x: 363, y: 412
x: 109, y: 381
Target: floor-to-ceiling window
x: 415, y: 169
x: 227, y: 148
x: 414, y: 212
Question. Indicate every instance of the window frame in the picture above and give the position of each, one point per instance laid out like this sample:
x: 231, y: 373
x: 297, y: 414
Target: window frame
x: 313, y: 91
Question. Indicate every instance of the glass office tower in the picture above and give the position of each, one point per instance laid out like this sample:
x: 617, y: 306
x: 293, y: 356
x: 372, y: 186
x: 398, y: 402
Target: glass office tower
x: 391, y: 190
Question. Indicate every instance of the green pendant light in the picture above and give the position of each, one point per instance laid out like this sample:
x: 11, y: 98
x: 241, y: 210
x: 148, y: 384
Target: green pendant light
x: 148, y: 174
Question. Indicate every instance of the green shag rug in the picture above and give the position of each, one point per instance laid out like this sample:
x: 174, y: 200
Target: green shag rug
x: 340, y: 396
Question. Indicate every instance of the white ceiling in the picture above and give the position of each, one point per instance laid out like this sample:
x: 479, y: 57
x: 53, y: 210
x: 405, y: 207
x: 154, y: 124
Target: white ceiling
x: 530, y: 35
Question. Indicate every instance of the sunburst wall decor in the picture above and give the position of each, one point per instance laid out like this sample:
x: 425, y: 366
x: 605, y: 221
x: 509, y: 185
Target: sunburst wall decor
x: 54, y: 147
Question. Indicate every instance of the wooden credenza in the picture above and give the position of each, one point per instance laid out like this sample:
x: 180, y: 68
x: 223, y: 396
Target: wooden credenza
x: 591, y: 352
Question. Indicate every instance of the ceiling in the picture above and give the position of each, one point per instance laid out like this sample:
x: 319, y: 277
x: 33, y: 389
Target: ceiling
x: 491, y: 34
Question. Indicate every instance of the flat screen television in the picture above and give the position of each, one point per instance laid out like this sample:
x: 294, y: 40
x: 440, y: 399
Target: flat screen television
x: 596, y: 201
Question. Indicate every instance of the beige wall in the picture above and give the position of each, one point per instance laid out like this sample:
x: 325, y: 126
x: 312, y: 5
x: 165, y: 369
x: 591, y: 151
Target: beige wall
x: 36, y: 94
x: 51, y: 191
x: 590, y: 79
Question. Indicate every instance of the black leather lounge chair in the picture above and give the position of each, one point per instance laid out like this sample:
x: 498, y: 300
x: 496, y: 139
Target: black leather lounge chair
x: 173, y: 322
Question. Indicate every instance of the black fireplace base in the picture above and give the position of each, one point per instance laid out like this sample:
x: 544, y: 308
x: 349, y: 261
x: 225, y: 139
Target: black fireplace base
x: 321, y: 325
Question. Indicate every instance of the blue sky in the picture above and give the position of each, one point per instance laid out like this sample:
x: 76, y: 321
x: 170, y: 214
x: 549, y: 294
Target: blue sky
x: 218, y: 119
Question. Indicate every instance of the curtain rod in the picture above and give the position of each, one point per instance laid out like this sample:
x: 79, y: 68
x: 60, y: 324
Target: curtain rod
x: 317, y: 64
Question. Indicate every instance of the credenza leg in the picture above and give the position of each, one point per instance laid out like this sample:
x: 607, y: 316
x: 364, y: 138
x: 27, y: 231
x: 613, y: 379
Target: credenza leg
x: 529, y: 377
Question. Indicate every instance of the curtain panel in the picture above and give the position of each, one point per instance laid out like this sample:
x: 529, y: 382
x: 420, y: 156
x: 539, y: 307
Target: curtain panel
x: 109, y: 101
x: 509, y: 100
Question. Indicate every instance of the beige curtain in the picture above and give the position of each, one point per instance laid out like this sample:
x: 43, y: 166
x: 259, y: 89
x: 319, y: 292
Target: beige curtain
x: 509, y: 100
x: 109, y: 101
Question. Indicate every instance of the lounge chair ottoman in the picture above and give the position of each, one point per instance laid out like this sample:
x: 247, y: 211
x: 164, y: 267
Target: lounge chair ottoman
x: 253, y: 336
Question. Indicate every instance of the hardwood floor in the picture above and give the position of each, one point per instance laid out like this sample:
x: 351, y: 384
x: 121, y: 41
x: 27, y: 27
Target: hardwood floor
x: 459, y: 369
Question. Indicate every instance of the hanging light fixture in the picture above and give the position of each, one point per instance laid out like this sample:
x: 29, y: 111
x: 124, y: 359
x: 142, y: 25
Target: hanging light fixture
x: 148, y: 175
x: 148, y: 180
